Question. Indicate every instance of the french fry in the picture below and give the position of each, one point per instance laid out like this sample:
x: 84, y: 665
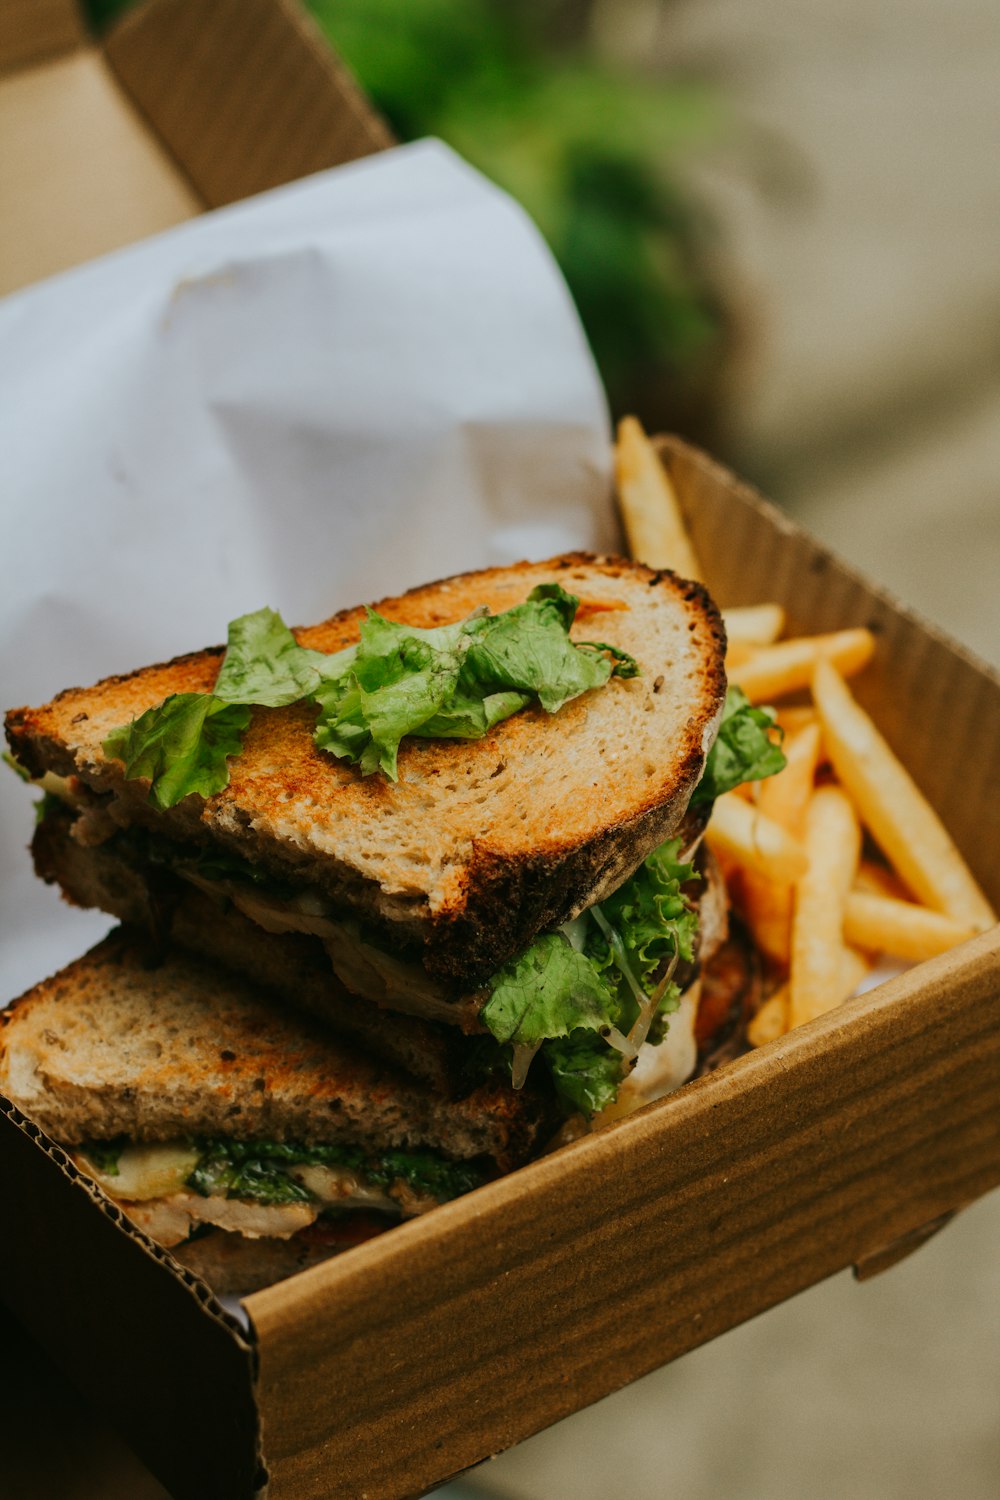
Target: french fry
x: 819, y: 965
x: 904, y: 824
x: 902, y: 928
x: 771, y: 1020
x: 651, y: 515
x: 793, y: 717
x: 738, y: 653
x: 767, y: 906
x: 741, y: 835
x: 785, y: 797
x: 879, y: 880
x: 854, y: 967
x: 785, y: 668
x: 754, y: 624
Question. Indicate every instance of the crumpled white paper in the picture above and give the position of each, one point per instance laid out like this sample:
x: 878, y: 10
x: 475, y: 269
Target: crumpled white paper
x: 359, y: 382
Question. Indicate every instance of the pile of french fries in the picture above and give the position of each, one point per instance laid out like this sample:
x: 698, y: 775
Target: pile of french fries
x: 839, y: 858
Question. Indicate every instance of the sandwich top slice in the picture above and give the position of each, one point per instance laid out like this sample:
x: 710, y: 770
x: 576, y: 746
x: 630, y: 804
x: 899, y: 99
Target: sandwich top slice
x: 516, y: 861
x: 204, y: 1111
x: 479, y: 844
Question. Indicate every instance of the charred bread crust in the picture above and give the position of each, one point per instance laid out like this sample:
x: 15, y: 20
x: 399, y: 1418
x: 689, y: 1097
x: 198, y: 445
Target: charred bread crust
x: 482, y: 844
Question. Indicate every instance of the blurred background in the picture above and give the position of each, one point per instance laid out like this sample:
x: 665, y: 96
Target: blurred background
x: 780, y: 224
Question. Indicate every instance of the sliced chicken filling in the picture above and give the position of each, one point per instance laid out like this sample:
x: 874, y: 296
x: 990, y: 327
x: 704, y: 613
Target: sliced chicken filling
x: 150, y: 1185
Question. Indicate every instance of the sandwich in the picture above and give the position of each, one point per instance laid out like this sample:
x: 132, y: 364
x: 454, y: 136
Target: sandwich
x: 456, y: 824
x: 242, y: 1137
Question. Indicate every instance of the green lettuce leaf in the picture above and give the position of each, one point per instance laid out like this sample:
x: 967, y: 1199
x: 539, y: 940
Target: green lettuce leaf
x: 470, y: 718
x: 182, y: 746
x: 527, y: 649
x: 264, y: 664
x: 586, y: 1072
x: 399, y: 679
x: 426, y: 1172
x: 260, y: 1170
x: 16, y: 766
x: 743, y: 750
x: 457, y: 681
x: 565, y: 999
x: 651, y: 919
x: 549, y: 991
x: 451, y: 682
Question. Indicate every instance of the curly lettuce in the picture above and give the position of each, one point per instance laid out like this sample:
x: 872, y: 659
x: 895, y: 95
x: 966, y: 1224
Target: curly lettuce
x: 743, y: 751
x: 452, y: 682
x: 578, y: 1001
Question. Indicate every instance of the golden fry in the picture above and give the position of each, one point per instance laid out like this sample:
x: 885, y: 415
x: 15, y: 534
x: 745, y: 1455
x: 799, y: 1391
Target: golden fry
x: 902, y: 928
x: 767, y: 906
x: 785, y: 797
x: 792, y: 718
x: 904, y: 824
x: 879, y: 880
x: 854, y: 967
x: 740, y: 834
x: 832, y: 846
x: 738, y: 653
x: 771, y: 1020
x: 651, y: 515
x: 754, y: 624
x: 789, y: 666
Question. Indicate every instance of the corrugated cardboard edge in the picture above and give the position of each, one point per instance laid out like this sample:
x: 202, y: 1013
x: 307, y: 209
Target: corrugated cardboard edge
x: 70, y: 1262
x: 412, y: 1358
x: 31, y: 30
x: 244, y: 94
x: 454, y: 1337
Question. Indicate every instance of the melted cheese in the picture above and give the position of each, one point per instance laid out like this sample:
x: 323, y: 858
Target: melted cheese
x: 144, y: 1171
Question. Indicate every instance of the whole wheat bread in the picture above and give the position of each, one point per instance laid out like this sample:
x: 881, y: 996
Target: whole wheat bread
x: 479, y: 845
x: 122, y: 1042
x: 293, y: 967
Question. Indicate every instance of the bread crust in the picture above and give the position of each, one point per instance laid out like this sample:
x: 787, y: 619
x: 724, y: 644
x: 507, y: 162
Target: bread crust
x: 127, y: 1041
x: 479, y: 845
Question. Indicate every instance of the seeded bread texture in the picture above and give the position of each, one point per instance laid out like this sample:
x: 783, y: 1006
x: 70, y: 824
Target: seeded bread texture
x: 478, y: 846
x: 124, y: 1043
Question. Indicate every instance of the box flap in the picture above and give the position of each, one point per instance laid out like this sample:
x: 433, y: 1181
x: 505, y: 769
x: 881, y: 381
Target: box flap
x: 458, y: 1335
x: 83, y: 173
x: 114, y: 1313
x: 245, y: 94
x: 33, y: 29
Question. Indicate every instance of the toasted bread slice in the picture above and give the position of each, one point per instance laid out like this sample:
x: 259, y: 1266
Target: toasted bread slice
x: 293, y: 967
x: 479, y: 845
x: 122, y: 1042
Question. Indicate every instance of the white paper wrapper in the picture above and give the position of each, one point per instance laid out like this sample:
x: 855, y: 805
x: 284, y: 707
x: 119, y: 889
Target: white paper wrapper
x: 357, y: 383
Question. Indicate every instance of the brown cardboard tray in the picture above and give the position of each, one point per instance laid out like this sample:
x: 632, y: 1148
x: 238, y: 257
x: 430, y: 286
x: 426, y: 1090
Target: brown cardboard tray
x: 187, y: 105
x: 406, y: 1360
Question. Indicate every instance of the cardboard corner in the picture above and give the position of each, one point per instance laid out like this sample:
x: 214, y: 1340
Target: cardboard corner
x: 264, y: 100
x: 72, y: 1266
x: 31, y: 30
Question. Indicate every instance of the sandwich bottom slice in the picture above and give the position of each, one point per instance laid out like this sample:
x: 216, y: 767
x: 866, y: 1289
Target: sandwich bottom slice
x: 248, y: 1142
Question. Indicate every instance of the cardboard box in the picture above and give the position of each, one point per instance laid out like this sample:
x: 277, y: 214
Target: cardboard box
x: 188, y: 105
x: 407, y: 1360
x: 401, y: 1363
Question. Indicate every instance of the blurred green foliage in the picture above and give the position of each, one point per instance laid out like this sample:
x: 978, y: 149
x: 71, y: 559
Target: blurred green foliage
x: 594, y: 153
